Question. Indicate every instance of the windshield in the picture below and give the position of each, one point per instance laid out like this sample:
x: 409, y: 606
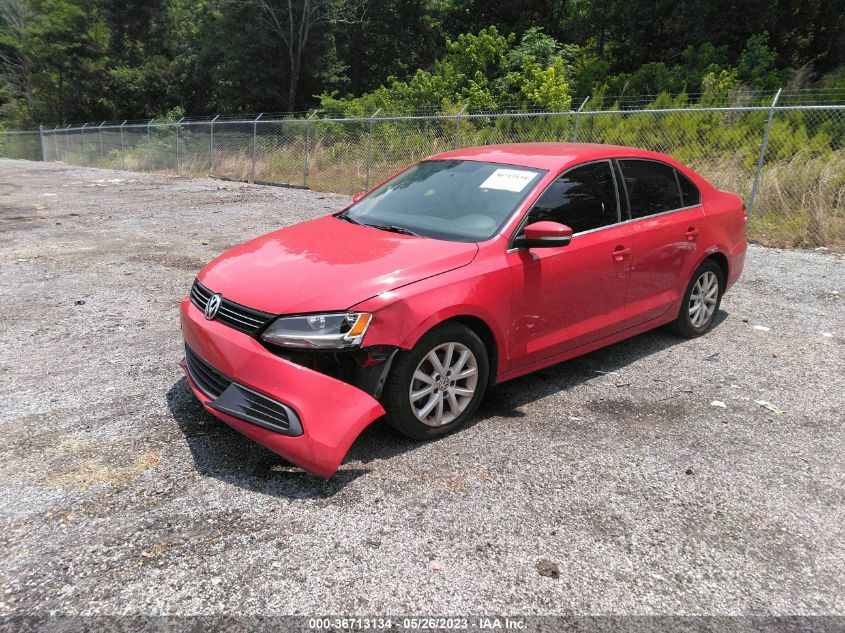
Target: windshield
x: 457, y: 200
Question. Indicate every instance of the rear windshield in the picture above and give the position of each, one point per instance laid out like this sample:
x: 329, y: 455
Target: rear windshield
x: 457, y: 200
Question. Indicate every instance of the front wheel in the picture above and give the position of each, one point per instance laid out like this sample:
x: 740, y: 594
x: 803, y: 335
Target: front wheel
x: 701, y: 301
x: 437, y: 386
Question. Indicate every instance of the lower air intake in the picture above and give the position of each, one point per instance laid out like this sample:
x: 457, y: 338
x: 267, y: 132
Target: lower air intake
x: 239, y: 401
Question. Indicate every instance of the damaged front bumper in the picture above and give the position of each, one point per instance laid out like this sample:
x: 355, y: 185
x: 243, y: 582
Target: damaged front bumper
x: 306, y: 417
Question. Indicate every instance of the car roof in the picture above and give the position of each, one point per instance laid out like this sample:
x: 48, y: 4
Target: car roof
x: 551, y: 156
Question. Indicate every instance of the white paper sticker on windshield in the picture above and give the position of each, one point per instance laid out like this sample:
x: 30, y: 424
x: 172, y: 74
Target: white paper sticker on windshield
x: 508, y: 179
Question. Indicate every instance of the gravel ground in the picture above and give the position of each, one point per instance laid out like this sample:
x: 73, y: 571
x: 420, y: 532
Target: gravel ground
x: 119, y: 494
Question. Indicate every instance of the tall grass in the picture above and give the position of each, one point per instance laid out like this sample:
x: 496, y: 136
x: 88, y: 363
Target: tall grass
x: 799, y: 201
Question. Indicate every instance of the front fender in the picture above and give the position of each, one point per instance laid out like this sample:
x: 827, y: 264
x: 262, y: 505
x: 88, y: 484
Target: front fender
x: 403, y: 316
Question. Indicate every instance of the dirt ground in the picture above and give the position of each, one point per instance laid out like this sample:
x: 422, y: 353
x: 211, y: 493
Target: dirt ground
x: 647, y: 471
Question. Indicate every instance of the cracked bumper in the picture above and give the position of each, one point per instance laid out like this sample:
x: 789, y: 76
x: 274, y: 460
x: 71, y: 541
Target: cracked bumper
x: 332, y: 413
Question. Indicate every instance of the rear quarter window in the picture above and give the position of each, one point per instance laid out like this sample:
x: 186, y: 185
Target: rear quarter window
x: 652, y: 187
x: 690, y: 195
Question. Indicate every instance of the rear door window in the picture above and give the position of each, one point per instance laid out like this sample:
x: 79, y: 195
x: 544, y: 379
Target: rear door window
x: 652, y: 187
x: 583, y: 198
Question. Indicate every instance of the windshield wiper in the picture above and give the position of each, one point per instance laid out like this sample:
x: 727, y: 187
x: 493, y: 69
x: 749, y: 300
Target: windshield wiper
x: 394, y: 229
x: 345, y: 216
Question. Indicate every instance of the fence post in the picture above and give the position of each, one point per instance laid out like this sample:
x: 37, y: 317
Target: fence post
x: 254, y: 135
x: 84, y: 157
x: 307, y: 143
x: 458, y: 127
x: 100, y: 130
x: 370, y: 147
x: 55, y: 138
x: 211, y: 149
x: 149, y: 148
x: 177, y: 143
x: 122, y: 151
x: 762, y: 159
x: 67, y: 139
x: 578, y: 119
x: 41, y: 138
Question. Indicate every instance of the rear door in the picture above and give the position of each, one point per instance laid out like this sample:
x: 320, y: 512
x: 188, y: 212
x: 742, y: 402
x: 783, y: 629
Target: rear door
x: 666, y: 220
x: 568, y: 296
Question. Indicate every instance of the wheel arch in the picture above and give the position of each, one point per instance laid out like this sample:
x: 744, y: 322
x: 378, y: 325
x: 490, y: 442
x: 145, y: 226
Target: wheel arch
x: 722, y: 261
x: 476, y: 323
x: 484, y: 332
x: 713, y: 254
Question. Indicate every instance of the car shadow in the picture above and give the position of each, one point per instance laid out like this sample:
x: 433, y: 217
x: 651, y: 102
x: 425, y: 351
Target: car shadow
x: 505, y: 400
x: 221, y: 452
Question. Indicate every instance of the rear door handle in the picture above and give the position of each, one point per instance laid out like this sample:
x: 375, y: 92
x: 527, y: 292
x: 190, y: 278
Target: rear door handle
x: 692, y: 233
x: 621, y: 252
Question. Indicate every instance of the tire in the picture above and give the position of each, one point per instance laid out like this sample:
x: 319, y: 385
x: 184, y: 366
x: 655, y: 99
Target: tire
x: 417, y: 417
x: 694, y: 321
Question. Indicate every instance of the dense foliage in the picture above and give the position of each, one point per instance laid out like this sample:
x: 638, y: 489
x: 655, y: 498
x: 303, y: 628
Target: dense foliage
x: 77, y: 60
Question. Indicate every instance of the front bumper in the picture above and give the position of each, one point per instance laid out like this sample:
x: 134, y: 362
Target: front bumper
x: 330, y: 413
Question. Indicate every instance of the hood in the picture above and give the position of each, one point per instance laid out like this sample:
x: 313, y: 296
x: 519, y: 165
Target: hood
x: 327, y: 264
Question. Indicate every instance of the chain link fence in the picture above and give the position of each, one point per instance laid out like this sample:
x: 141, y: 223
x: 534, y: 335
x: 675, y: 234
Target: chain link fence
x: 788, y: 162
x: 26, y: 145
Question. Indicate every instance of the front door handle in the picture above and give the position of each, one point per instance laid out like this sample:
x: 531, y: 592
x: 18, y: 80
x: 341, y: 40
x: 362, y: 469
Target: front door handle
x: 692, y: 233
x: 621, y: 252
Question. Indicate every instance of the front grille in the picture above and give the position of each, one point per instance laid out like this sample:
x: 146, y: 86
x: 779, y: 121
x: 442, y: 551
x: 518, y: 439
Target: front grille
x: 232, y: 314
x: 239, y: 401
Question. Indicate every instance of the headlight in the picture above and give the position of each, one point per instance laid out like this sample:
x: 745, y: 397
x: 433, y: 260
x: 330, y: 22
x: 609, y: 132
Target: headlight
x: 336, y: 330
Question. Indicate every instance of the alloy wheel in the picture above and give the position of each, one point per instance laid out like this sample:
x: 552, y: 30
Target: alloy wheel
x: 443, y: 384
x: 703, y: 299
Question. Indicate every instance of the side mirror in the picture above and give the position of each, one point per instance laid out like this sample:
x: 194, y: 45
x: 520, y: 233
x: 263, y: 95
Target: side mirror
x: 544, y: 235
x: 358, y: 196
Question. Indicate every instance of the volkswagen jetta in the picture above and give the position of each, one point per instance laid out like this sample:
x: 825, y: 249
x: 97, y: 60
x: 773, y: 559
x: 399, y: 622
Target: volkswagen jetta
x: 467, y: 269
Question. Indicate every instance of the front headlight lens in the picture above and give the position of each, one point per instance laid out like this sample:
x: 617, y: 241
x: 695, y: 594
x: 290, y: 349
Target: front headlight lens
x: 334, y: 330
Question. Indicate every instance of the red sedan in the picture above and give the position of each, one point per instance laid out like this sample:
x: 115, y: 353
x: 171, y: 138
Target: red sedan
x: 467, y: 269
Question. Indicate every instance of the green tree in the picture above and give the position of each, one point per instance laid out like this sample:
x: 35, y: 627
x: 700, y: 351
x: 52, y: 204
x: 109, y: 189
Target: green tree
x: 394, y: 39
x: 483, y: 71
x: 57, y: 53
x: 294, y: 22
x: 756, y: 65
x: 64, y: 60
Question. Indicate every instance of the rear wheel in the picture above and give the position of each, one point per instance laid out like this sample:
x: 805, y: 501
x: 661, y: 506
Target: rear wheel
x: 438, y: 385
x: 701, y: 301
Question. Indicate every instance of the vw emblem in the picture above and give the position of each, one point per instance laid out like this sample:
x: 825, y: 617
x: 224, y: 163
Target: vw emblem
x: 213, y: 306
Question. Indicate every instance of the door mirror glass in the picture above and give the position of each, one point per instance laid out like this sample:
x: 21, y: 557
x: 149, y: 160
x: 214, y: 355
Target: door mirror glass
x: 544, y: 234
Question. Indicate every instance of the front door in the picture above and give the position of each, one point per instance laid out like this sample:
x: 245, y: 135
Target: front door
x: 565, y: 297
